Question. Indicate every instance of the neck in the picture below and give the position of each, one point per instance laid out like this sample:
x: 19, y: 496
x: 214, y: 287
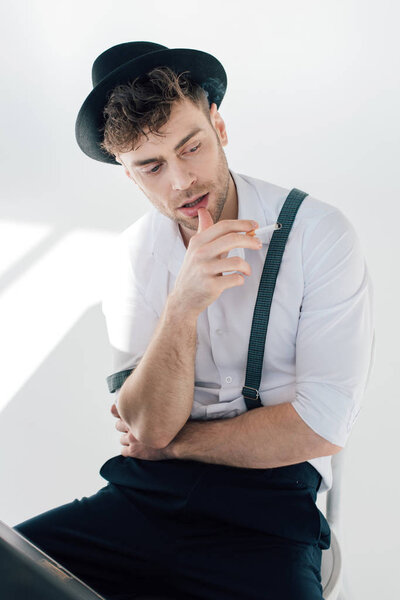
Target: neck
x: 230, y: 210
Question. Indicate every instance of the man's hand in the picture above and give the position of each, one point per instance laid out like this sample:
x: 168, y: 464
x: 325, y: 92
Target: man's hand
x: 200, y: 281
x: 132, y: 447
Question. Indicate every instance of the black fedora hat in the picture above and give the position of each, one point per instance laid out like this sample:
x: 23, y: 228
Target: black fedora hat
x: 123, y: 63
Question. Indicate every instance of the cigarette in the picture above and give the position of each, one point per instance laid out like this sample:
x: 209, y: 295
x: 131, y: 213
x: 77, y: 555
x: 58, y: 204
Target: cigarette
x: 261, y: 230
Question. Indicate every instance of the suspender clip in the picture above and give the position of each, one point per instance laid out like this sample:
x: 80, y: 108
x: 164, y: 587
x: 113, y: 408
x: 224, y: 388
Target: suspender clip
x: 246, y: 387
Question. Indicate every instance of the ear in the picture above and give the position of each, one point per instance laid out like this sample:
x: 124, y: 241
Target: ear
x: 128, y: 174
x: 218, y: 124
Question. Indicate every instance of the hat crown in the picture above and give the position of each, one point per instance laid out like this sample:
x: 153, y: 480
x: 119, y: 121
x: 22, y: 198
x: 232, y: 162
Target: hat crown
x: 114, y: 57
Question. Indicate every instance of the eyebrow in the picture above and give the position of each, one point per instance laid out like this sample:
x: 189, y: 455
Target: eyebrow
x: 140, y: 163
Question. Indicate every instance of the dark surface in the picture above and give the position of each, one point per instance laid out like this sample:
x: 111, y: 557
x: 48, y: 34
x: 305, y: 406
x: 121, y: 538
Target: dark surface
x: 27, y: 573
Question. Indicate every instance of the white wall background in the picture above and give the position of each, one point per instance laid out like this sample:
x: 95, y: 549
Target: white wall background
x: 312, y: 102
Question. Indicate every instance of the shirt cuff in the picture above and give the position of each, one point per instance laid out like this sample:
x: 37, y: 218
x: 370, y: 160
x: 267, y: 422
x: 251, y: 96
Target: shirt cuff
x: 116, y: 380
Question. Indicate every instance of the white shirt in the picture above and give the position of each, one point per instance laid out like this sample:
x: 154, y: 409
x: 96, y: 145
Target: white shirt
x: 319, y: 348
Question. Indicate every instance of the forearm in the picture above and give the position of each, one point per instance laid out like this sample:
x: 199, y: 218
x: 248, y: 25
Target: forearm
x: 157, y: 398
x: 264, y: 438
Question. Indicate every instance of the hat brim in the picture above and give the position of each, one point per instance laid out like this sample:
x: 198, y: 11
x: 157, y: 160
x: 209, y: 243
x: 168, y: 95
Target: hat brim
x: 203, y: 68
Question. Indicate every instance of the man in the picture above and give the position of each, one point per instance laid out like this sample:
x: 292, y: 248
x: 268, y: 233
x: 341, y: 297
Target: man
x: 210, y: 499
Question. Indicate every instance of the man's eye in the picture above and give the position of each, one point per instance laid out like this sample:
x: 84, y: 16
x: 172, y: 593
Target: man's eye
x: 194, y: 148
x: 156, y: 169
x: 152, y: 170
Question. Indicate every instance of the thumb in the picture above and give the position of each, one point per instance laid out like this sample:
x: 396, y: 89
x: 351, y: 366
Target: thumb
x: 205, y: 219
x: 114, y: 411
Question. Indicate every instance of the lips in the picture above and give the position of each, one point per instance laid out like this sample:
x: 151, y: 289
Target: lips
x: 192, y: 211
x: 193, y: 199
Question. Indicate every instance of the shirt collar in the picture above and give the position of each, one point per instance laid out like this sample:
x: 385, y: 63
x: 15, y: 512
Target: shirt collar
x: 169, y: 248
x: 249, y: 203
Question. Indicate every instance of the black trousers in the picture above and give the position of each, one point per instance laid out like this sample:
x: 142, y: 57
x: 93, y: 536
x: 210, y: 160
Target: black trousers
x: 192, y: 530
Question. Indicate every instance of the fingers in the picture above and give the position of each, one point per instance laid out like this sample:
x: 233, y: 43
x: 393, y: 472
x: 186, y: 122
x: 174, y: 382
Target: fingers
x: 114, y: 411
x: 229, y: 281
x: 223, y: 255
x: 232, y: 240
x: 205, y: 220
x: 124, y: 440
x: 121, y: 426
x: 222, y: 227
x: 235, y: 263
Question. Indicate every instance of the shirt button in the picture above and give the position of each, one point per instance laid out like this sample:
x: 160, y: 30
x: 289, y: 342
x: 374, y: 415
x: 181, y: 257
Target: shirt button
x: 219, y: 331
x: 228, y: 380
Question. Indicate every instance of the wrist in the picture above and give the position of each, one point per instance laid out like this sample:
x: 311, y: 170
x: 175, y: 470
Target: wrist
x: 184, y: 443
x: 170, y: 451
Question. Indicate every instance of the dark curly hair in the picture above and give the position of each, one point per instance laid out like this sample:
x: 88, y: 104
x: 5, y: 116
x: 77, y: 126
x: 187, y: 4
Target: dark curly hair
x: 145, y: 103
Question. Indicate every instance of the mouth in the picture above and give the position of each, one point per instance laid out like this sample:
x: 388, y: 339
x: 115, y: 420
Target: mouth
x: 190, y: 209
x: 192, y: 202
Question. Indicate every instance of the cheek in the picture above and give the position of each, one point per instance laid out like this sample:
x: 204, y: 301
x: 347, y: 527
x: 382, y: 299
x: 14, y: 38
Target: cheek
x: 139, y: 180
x: 144, y: 182
x: 208, y: 161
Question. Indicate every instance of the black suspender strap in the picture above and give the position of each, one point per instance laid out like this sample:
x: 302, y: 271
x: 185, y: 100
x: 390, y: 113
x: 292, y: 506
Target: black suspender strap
x: 266, y: 289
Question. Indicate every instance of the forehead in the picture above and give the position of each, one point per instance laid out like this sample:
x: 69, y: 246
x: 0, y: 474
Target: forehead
x: 185, y: 117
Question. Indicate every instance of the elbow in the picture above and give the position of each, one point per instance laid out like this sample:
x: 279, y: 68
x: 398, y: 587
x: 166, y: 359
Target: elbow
x: 326, y: 448
x: 316, y: 445
x: 334, y: 449
x: 150, y: 436
x: 145, y: 427
x: 320, y: 446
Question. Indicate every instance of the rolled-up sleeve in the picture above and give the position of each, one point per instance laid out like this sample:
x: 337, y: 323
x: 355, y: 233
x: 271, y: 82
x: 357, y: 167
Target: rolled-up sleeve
x: 335, y: 344
x: 130, y: 320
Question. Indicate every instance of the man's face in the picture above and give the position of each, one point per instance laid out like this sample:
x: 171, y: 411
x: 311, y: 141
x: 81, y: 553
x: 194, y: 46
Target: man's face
x: 187, y: 161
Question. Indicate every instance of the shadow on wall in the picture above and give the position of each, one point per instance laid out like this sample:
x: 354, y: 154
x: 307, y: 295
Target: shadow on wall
x: 58, y: 430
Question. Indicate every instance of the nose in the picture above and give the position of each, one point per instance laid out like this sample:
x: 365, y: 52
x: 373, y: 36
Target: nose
x: 181, y: 178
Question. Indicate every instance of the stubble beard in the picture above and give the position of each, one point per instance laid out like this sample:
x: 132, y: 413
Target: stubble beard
x: 221, y: 197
